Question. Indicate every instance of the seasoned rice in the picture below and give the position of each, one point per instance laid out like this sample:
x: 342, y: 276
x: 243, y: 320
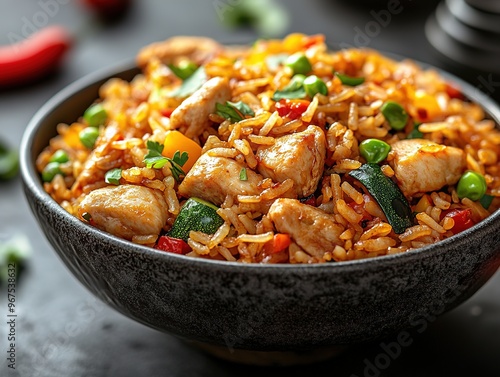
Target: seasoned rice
x: 313, y: 171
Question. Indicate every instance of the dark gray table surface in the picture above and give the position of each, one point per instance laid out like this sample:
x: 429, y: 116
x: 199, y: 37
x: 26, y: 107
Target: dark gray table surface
x: 62, y: 330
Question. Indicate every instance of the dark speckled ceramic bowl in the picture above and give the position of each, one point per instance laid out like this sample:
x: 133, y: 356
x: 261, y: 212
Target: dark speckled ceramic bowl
x: 286, y: 308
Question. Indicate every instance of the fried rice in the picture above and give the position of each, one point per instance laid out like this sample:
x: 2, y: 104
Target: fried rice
x: 276, y: 161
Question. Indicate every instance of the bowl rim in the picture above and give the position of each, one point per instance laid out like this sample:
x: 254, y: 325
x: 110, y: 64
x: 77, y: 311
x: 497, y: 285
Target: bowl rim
x: 34, y: 185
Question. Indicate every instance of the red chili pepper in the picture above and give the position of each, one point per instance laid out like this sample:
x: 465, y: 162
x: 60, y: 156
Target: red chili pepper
x: 279, y: 243
x: 461, y: 217
x: 454, y: 92
x: 108, y: 8
x: 167, y: 112
x: 172, y: 245
x: 314, y: 39
x: 292, y: 109
x: 34, y: 57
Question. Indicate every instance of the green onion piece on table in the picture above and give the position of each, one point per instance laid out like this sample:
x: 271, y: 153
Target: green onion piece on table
x: 9, y: 163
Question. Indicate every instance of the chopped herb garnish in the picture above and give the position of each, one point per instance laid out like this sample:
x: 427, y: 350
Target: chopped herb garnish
x: 184, y: 69
x: 486, y: 201
x: 191, y: 84
x: 294, y: 90
x: 243, y: 174
x: 113, y: 176
x: 349, y: 80
x: 415, y: 133
x: 275, y: 61
x: 154, y: 159
x: 234, y: 111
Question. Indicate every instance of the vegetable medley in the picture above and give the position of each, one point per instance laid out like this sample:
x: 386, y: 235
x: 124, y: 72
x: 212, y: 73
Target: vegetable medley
x: 282, y: 152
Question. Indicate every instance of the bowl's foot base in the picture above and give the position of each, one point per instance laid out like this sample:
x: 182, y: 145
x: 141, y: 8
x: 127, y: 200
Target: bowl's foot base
x: 270, y: 358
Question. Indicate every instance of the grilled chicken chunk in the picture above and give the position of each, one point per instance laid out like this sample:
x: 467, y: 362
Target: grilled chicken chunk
x: 212, y: 178
x: 191, y: 116
x: 315, y: 231
x: 422, y: 165
x: 126, y: 210
x: 299, y: 156
x: 196, y: 49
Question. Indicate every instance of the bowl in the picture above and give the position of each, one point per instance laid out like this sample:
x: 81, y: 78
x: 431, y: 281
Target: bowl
x: 251, y: 312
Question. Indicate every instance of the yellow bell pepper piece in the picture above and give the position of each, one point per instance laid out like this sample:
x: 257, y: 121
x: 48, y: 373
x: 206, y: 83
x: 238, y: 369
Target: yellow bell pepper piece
x: 177, y: 141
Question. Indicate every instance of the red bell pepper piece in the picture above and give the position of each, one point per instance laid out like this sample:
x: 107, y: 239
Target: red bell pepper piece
x: 172, y: 245
x: 292, y: 109
x: 461, y: 217
x: 279, y: 243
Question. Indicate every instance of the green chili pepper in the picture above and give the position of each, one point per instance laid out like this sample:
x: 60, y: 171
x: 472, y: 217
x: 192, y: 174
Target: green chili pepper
x: 88, y: 136
x: 395, y: 114
x: 299, y: 63
x: 95, y: 115
x: 374, y: 150
x: 348, y: 80
x: 313, y: 85
x: 471, y: 185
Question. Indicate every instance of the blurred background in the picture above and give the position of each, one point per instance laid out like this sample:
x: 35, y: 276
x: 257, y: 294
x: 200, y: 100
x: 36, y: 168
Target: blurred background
x: 64, y: 331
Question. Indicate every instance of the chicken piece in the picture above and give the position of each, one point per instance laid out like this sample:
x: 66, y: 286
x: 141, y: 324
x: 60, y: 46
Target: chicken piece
x: 299, y: 156
x: 422, y: 165
x: 126, y: 211
x: 191, y: 116
x: 196, y: 49
x: 315, y: 231
x: 212, y: 178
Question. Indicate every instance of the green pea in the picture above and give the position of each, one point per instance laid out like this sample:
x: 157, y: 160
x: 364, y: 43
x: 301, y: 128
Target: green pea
x: 395, y: 114
x: 88, y: 136
x: 471, y: 185
x: 299, y: 63
x: 95, y: 115
x: 374, y: 150
x: 313, y: 85
x: 415, y: 133
x: 59, y: 156
x: 50, y: 171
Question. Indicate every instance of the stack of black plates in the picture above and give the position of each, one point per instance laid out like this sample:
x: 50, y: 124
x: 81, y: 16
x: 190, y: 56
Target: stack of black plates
x: 468, y: 32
